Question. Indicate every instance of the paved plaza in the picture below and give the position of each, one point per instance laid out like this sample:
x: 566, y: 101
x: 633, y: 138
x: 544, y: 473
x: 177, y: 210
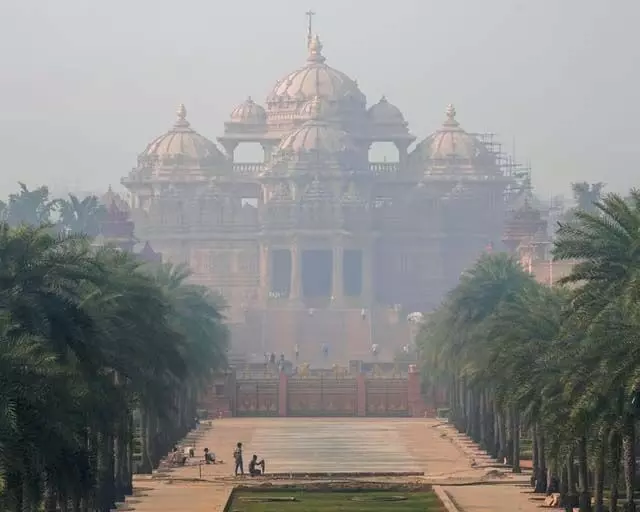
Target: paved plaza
x: 325, y: 446
x: 339, y: 445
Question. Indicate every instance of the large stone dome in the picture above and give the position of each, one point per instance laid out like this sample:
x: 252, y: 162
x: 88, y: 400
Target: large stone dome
x: 316, y: 78
x: 181, y: 146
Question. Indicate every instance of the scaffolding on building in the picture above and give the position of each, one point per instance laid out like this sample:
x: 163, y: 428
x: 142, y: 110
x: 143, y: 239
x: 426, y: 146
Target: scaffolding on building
x: 519, y: 174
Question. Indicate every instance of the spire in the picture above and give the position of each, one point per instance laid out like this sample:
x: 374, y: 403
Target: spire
x: 181, y: 113
x: 310, y: 14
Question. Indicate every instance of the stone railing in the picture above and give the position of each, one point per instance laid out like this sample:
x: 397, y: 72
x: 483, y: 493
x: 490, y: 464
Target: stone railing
x: 248, y: 168
x: 384, y: 167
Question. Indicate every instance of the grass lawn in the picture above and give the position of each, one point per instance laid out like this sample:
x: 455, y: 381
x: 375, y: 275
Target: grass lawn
x: 314, y: 501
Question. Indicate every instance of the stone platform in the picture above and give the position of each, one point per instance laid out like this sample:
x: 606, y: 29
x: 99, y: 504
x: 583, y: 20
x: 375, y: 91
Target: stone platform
x: 331, y: 446
x: 337, y: 446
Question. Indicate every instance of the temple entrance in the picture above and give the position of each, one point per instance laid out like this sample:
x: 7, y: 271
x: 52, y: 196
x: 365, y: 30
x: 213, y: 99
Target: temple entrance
x: 280, y: 274
x: 352, y: 272
x: 317, y: 273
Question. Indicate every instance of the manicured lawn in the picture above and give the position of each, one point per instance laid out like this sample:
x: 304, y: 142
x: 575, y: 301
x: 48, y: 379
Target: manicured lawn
x: 314, y: 501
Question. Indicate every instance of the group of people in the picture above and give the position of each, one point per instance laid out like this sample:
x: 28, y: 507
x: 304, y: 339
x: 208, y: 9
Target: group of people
x: 179, y: 457
x: 256, y: 467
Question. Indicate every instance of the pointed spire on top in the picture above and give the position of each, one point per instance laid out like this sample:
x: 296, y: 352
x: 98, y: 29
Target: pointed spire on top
x: 181, y: 113
x: 310, y: 14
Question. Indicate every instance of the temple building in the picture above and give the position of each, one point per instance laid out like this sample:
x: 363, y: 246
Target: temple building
x: 318, y: 248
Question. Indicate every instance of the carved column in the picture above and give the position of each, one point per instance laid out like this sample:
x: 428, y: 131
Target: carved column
x: 367, y: 274
x: 264, y: 263
x: 338, y: 284
x: 402, y: 146
x: 296, y: 276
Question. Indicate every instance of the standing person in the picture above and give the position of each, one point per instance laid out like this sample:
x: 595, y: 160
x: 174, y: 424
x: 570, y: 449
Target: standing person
x: 237, y: 456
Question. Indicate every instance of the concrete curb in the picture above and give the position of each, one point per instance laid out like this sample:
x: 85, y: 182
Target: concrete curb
x: 443, y: 496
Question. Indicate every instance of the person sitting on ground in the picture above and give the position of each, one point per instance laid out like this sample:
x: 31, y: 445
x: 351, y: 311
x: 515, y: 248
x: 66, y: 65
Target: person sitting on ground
x: 191, y: 451
x: 254, y: 464
x: 177, y: 457
x: 209, y: 457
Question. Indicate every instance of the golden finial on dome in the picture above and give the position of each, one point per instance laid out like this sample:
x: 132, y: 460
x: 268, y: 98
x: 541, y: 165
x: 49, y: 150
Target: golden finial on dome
x: 315, y: 50
x: 451, y: 115
x: 451, y: 112
x: 181, y: 121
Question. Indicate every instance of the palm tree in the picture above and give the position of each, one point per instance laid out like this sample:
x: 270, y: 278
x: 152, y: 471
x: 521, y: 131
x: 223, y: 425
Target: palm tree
x: 86, y: 339
x: 32, y: 207
x: 82, y: 216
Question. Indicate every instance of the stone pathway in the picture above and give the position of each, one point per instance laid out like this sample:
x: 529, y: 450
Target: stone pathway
x: 333, y: 445
x: 326, y: 446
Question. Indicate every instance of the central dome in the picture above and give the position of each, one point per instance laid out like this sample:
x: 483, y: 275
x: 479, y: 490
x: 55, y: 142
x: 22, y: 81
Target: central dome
x: 316, y: 79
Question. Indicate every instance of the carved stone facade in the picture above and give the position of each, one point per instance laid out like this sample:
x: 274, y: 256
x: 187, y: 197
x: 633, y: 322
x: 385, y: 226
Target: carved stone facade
x: 317, y: 248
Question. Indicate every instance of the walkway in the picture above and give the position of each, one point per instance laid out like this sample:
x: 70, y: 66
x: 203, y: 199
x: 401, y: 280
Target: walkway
x: 335, y: 445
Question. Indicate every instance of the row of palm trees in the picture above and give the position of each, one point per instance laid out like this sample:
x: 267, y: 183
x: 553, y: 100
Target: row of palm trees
x: 559, y: 365
x: 102, y: 359
x: 36, y: 207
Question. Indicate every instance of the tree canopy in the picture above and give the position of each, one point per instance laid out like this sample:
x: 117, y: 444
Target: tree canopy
x: 94, y: 346
x: 560, y: 364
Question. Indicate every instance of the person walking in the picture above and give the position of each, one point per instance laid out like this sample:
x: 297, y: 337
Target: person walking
x: 237, y: 456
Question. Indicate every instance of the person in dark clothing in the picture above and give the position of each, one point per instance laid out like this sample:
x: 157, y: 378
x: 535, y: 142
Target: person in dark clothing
x: 254, y: 464
x: 237, y: 456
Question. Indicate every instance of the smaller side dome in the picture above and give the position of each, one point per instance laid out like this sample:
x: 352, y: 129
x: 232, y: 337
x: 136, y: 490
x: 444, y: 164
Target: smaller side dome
x: 112, y: 200
x: 182, y: 146
x: 452, y: 150
x: 248, y: 112
x: 386, y: 113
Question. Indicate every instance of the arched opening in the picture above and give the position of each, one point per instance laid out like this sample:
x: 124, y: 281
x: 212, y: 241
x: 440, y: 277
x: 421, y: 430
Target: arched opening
x: 249, y: 153
x: 384, y: 152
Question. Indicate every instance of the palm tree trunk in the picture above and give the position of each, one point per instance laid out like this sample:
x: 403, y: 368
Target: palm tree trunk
x: 502, y: 436
x: 629, y: 459
x: 515, y: 436
x: 146, y: 466
x: 541, y: 481
x: 615, y: 451
x: 535, y: 457
x: 571, y: 497
x: 583, y: 476
x: 599, y: 471
x: 120, y: 465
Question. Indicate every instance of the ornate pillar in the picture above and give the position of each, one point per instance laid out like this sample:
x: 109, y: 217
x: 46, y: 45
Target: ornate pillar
x: 296, y: 274
x: 230, y: 147
x: 367, y: 274
x: 402, y: 146
x: 267, y: 148
x: 337, y: 279
x: 264, y: 264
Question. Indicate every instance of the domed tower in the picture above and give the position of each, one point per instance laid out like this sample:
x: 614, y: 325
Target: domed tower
x: 387, y: 124
x: 181, y: 158
x: 316, y: 79
x: 246, y: 124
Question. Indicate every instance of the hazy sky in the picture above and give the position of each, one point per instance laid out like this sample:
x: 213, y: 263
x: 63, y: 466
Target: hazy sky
x: 85, y: 85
